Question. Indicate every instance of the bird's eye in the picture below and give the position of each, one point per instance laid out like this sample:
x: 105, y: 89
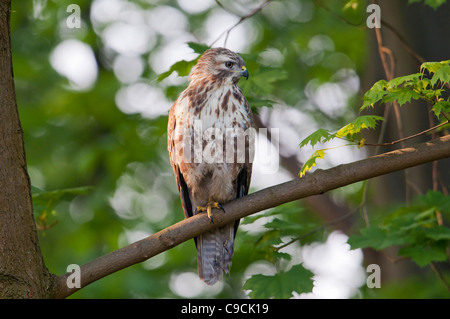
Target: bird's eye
x: 229, y: 64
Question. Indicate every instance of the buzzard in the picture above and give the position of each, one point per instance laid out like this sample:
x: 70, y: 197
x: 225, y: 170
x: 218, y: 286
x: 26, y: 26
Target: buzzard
x: 211, y: 145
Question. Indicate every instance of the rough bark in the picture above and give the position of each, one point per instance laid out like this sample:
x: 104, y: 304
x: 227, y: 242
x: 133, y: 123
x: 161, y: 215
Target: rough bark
x: 22, y: 270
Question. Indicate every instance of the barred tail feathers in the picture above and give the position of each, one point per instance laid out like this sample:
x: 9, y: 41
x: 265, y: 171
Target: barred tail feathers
x: 215, y: 253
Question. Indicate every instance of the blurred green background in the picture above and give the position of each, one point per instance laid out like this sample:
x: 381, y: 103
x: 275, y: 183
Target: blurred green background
x: 95, y: 117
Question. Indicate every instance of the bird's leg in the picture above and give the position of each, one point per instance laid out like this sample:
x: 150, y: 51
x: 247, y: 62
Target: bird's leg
x: 208, y: 208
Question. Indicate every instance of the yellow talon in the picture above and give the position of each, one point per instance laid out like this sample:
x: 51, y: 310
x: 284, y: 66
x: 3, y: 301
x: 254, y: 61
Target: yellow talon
x: 208, y: 208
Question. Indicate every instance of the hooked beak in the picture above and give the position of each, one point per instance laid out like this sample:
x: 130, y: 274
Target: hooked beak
x: 244, y: 72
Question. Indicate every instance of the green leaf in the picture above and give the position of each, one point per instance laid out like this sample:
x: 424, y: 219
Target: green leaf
x: 376, y: 238
x: 261, y: 81
x: 408, y: 218
x: 266, y: 243
x: 269, y: 239
x: 253, y: 218
x: 441, y: 106
x: 351, y: 4
x: 285, y: 210
x: 401, y: 95
x: 281, y: 285
x: 438, y: 233
x: 422, y: 255
x: 319, y: 136
x: 404, y: 80
x: 41, y: 196
x: 183, y: 68
x: 433, y: 67
x: 431, y: 94
x: 442, y: 75
x: 358, y: 124
x: 256, y: 103
x: 436, y: 199
x: 311, y: 162
x: 432, y: 3
x: 198, y: 47
x: 375, y: 94
x: 435, y: 3
x: 413, y: 86
x: 45, y: 202
x: 288, y: 227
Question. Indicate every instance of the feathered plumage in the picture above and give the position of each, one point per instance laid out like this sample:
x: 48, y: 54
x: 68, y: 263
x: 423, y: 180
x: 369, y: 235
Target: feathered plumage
x: 210, y: 141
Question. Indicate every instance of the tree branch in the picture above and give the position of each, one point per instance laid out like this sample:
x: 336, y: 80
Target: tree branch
x: 312, y: 184
x: 242, y: 19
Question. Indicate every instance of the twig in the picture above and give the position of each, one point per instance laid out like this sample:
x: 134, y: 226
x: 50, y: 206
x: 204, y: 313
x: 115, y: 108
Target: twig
x: 315, y: 230
x: 337, y: 16
x: 45, y: 226
x: 242, y: 19
x: 435, y: 167
x: 226, y: 9
x: 383, y: 23
x: 364, y: 203
x: 393, y: 259
x: 435, y: 170
x: 440, y: 276
x: 443, y: 186
x: 445, y: 116
x: 403, y: 42
x: 415, y: 187
x: 389, y: 70
x: 388, y: 67
x: 408, y: 137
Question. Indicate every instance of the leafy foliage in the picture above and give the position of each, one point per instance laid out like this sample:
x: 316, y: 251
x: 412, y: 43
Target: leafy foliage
x: 349, y: 132
x: 45, y: 202
x: 286, y: 221
x: 413, y: 87
x: 183, y: 68
x: 432, y: 3
x: 357, y: 125
x: 261, y: 85
x: 280, y: 285
x: 402, y: 90
x: 319, y: 136
x: 311, y: 162
x: 415, y: 228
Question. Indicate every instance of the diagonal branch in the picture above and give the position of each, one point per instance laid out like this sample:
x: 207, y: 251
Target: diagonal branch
x: 316, y: 183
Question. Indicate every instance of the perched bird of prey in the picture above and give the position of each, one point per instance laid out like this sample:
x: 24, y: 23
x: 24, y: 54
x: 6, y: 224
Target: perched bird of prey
x: 211, y: 145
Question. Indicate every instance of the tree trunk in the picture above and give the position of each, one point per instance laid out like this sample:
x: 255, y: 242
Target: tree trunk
x: 22, y: 270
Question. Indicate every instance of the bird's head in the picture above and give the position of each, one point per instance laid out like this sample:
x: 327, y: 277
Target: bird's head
x: 219, y: 64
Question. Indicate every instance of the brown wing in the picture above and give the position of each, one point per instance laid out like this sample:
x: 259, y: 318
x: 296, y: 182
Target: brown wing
x: 244, y: 178
x: 179, y: 179
x: 243, y: 183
